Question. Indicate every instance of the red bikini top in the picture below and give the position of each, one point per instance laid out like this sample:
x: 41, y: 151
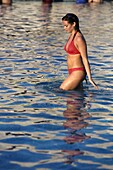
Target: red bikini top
x: 71, y: 47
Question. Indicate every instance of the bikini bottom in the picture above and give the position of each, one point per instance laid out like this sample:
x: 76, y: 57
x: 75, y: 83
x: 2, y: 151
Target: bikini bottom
x: 76, y: 69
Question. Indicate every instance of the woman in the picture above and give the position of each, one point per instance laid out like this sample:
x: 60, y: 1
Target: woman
x: 77, y: 59
x: 7, y: 2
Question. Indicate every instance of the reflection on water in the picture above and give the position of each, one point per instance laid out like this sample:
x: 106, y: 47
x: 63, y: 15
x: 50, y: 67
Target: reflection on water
x: 41, y: 126
x: 75, y: 115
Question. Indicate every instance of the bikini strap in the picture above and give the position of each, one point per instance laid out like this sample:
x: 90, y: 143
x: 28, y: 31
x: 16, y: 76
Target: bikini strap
x: 74, y: 35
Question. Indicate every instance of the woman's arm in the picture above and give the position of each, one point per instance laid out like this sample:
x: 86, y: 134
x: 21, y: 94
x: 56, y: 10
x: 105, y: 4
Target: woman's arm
x: 82, y: 46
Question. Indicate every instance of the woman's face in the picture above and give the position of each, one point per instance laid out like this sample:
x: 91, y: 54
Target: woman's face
x: 68, y: 27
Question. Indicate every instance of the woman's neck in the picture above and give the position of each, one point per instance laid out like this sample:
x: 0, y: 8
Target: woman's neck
x: 74, y: 32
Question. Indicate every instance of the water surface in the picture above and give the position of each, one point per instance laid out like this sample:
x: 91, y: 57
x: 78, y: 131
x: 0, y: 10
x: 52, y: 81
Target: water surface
x: 42, y: 127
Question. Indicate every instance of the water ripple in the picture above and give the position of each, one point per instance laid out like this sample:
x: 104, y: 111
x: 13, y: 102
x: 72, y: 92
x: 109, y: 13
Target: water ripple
x: 43, y: 127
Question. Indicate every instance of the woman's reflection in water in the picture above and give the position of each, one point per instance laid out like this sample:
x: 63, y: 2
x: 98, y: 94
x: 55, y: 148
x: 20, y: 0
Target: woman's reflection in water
x: 75, y: 115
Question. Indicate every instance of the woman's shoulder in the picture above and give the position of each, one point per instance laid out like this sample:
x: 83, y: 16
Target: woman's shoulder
x: 80, y: 40
x: 79, y: 37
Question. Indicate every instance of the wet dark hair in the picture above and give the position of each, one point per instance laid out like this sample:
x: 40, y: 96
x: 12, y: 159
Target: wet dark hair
x: 71, y: 18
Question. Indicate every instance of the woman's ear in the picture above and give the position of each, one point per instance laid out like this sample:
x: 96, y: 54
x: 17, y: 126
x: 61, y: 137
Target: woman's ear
x: 74, y: 24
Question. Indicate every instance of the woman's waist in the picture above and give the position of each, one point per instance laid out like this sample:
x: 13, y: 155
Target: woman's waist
x: 74, y: 62
x: 71, y: 66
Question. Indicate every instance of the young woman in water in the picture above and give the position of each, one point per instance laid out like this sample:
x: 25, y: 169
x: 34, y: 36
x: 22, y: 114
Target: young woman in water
x: 77, y: 59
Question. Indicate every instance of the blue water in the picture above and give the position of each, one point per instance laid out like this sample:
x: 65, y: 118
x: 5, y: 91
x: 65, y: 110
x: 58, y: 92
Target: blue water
x: 42, y: 127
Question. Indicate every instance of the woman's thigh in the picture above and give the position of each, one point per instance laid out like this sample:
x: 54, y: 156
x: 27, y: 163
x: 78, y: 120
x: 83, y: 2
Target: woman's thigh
x: 73, y: 80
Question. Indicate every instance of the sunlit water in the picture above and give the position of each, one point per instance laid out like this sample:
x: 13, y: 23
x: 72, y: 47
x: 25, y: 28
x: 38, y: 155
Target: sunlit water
x: 41, y: 127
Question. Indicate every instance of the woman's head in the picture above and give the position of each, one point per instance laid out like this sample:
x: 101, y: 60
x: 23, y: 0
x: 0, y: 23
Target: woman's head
x: 72, y: 20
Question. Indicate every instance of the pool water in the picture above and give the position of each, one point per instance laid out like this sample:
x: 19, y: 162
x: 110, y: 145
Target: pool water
x: 42, y: 127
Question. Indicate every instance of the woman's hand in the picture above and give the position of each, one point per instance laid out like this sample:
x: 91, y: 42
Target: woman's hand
x: 93, y: 83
